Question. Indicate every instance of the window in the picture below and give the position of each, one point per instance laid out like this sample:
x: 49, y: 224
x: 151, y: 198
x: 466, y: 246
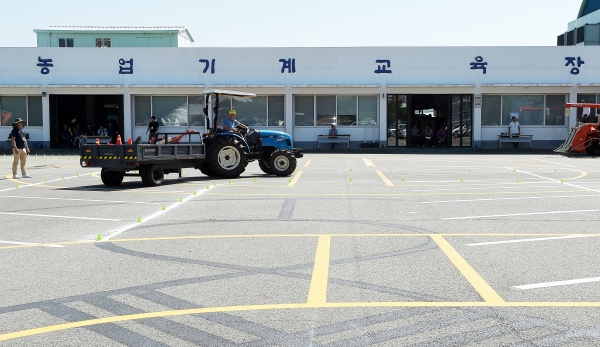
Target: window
x: 65, y: 42
x: 176, y: 110
x: 28, y: 108
x: 540, y: 110
x: 325, y: 110
x: 258, y: 111
x: 304, y: 110
x: 103, y: 42
x: 343, y: 110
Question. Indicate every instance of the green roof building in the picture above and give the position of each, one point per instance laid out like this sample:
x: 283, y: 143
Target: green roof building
x: 107, y: 36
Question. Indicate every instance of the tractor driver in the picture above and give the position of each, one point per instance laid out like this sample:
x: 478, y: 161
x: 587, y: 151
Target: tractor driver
x: 230, y: 123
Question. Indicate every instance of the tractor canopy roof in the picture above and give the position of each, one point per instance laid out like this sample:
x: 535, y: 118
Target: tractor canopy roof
x: 229, y: 93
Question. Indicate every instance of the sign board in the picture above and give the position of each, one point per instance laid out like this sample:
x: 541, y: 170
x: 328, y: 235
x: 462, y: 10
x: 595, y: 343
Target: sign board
x: 478, y: 101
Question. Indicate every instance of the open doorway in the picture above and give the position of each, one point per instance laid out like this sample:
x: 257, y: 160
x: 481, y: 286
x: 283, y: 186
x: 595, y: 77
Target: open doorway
x: 95, y: 110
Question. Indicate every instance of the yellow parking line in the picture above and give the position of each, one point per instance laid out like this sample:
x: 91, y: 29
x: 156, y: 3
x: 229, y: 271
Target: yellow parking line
x: 385, y: 179
x: 195, y: 311
x: 308, y: 163
x: 370, y: 163
x: 487, y: 293
x: 295, y: 179
x: 317, y: 294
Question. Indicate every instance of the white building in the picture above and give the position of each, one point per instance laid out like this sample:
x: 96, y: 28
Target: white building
x: 372, y: 93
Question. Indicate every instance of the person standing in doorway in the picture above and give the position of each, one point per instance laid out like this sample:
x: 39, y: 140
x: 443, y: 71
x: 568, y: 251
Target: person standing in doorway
x: 72, y: 132
x: 153, y: 129
x: 112, y: 132
x: 514, y: 128
x: 20, y: 148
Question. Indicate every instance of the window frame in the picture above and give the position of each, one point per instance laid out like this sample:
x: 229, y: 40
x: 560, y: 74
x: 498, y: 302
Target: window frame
x: 26, y: 112
x: 266, y: 109
x: 357, y: 125
x: 66, y: 42
x: 102, y: 40
x: 566, y: 96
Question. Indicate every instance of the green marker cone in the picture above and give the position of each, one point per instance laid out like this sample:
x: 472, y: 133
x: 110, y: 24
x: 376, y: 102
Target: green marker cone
x: 517, y: 181
x: 229, y: 181
x: 99, y: 237
x: 554, y: 170
x: 461, y: 180
x: 77, y: 175
x: 562, y: 181
x: 16, y: 186
x: 350, y: 169
x: 350, y: 179
x: 390, y: 169
x: 45, y: 181
x: 63, y: 177
x: 215, y: 184
x: 139, y: 219
x: 469, y: 170
x: 514, y: 170
x: 402, y: 179
x: 290, y: 180
x: 207, y: 187
x: 255, y: 180
x: 164, y: 208
x: 194, y: 192
x: 180, y: 199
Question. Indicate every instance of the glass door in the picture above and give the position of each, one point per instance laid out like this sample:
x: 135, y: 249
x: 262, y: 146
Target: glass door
x: 462, y: 121
x: 397, y: 120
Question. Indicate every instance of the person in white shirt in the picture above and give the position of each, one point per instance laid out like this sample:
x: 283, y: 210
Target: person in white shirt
x: 514, y: 128
x: 585, y: 115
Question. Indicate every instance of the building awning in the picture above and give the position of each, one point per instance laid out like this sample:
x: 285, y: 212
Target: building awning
x: 166, y: 86
x: 84, y: 86
x: 20, y: 86
x: 431, y: 85
x: 336, y: 86
x: 247, y: 85
x: 528, y: 85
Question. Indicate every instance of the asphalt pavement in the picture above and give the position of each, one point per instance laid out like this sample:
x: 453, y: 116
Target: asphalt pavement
x: 358, y: 248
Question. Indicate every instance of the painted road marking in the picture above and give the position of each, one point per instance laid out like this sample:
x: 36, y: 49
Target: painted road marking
x: 41, y: 183
x: 317, y: 294
x: 385, y: 179
x: 368, y: 162
x: 65, y: 199
x: 558, y: 283
x: 308, y: 163
x: 551, y: 162
x: 583, y: 174
x: 151, y: 217
x: 294, y: 180
x: 521, y: 214
x: 29, y: 243
x: 520, y: 198
x: 386, y: 194
x: 528, y: 240
x: 64, y: 217
x: 487, y: 293
x: 196, y: 311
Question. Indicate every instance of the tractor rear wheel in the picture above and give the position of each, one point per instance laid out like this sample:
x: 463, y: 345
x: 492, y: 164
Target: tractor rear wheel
x: 154, y: 175
x: 205, y: 168
x: 593, y: 149
x: 227, y: 157
x: 282, y: 162
x: 264, y: 166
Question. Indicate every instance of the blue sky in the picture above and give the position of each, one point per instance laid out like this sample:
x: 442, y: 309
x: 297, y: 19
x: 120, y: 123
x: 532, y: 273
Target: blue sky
x: 307, y: 23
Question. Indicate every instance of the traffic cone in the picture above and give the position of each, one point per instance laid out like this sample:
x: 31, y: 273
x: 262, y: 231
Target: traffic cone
x: 97, y: 141
x: 99, y: 237
x: 129, y: 141
x: 119, y: 142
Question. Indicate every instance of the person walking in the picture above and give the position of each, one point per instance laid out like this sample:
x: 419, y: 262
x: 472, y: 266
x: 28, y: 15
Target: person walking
x: 20, y: 148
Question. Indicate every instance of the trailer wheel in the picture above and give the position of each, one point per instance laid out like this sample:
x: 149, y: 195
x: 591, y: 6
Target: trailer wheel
x: 154, y: 175
x: 111, y: 178
x: 282, y: 162
x: 264, y: 166
x: 593, y: 149
x: 227, y: 158
x: 142, y: 170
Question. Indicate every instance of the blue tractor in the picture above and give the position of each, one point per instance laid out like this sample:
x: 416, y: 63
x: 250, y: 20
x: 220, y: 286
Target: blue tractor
x: 229, y: 152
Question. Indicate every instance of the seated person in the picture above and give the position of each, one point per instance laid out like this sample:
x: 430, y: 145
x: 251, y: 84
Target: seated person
x: 230, y: 123
x: 333, y: 132
x: 415, y: 136
x: 76, y: 137
x: 65, y: 137
x: 89, y: 131
x: 102, y: 131
x: 428, y: 136
x: 441, y: 135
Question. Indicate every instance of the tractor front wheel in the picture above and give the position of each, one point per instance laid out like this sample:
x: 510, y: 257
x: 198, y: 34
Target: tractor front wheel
x: 264, y: 166
x: 594, y: 148
x: 282, y: 163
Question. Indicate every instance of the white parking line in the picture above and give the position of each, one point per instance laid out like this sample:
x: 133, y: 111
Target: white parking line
x: 90, y: 200
x: 64, y: 217
x: 151, y: 217
x: 37, y: 184
x: 555, y: 181
x: 528, y: 240
x: 29, y: 243
x: 558, y: 283
x: 520, y: 214
x: 520, y: 198
x: 366, y: 162
x: 551, y: 162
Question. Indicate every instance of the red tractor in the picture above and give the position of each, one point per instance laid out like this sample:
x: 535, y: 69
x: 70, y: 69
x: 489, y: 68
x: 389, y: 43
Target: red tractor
x: 584, y: 137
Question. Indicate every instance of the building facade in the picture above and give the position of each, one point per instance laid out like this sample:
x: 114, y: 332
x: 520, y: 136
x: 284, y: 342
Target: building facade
x: 374, y: 94
x: 585, y: 30
x: 107, y: 37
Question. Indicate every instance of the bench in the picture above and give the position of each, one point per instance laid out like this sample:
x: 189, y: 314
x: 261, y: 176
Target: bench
x: 515, y: 138
x: 333, y: 139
